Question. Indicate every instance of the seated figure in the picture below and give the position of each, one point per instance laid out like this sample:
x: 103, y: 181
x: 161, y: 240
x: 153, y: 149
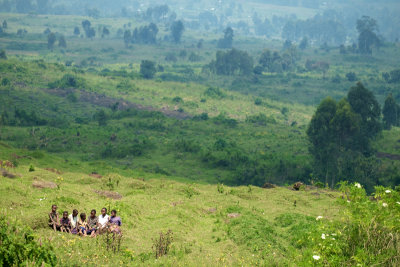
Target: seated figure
x: 53, y: 218
x: 65, y: 223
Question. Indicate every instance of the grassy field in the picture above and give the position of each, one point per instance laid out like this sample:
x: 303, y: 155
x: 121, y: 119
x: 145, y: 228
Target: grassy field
x: 186, y: 151
x: 268, y: 230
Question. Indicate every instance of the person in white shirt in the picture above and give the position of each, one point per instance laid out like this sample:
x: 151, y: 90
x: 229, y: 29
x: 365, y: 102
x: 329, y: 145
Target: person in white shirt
x: 103, y: 220
x: 73, y: 218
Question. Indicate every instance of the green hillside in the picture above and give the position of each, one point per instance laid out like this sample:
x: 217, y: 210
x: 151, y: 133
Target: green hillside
x: 270, y: 227
x: 203, y: 138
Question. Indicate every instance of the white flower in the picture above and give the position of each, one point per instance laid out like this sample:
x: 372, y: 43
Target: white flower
x: 358, y: 185
x: 388, y: 191
x: 333, y: 238
x: 384, y: 205
x: 348, y: 201
x: 319, y: 218
x: 316, y: 257
x: 323, y: 236
x: 398, y: 203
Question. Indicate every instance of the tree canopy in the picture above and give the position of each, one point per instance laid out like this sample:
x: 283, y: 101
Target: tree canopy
x: 340, y: 135
x: 177, y: 30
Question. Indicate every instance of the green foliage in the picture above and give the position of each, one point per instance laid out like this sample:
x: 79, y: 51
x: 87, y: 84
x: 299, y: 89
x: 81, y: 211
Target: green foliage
x: 101, y: 117
x: 215, y: 93
x: 227, y: 41
x: 148, y: 69
x: 162, y: 245
x: 20, y: 247
x: 5, y: 81
x: 391, y: 112
x: 62, y: 42
x: 31, y: 168
x: 367, y: 235
x: 220, y: 188
x: 233, y: 62
x: 351, y: 76
x: 260, y: 119
x: 190, y: 191
x: 342, y: 131
x: 367, y: 28
x: 364, y: 103
x: 177, y: 30
x: 3, y: 54
x: 69, y: 81
x: 51, y: 40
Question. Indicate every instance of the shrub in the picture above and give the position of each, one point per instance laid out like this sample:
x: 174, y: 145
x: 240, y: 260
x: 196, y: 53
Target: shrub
x: 367, y: 235
x: 186, y: 145
x: 19, y: 247
x: 214, y: 93
x: 69, y: 81
x: 221, y: 119
x: 190, y: 191
x: 5, y: 81
x: 260, y: 119
x: 177, y: 99
x: 31, y: 168
x: 336, y: 79
x: 3, y: 54
x: 171, y: 57
x: 162, y: 245
x: 258, y: 102
x: 148, y: 69
x: 351, y: 77
x: 202, y: 117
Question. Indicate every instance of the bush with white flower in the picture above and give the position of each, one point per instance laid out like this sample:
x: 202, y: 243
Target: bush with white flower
x: 366, y: 234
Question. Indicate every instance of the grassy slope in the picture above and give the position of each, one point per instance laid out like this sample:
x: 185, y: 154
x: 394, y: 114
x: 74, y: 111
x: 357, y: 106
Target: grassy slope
x: 263, y: 234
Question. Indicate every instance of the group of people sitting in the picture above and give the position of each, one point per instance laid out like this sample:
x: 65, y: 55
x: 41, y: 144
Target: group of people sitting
x: 83, y: 226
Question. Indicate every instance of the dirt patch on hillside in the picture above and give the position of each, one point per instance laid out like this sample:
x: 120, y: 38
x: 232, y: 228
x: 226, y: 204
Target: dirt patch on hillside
x: 234, y: 215
x: 388, y: 156
x: 109, y: 194
x: 44, y: 184
x: 105, y: 101
x: 95, y: 175
x: 53, y: 170
x: 8, y: 174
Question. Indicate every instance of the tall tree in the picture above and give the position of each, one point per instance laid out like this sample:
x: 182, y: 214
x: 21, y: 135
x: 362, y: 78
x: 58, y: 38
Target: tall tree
x: 364, y: 103
x: 390, y: 112
x: 51, y: 40
x: 89, y: 31
x: 148, y: 69
x: 77, y: 31
x: 321, y: 134
x: 105, y: 33
x: 227, y: 41
x: 127, y: 38
x: 367, y: 28
x: 62, y: 42
x: 177, y: 30
x: 3, y: 54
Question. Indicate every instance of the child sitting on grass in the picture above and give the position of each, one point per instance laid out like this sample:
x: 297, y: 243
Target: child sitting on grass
x: 82, y: 225
x: 115, y: 223
x: 93, y: 222
x: 73, y: 219
x: 53, y: 218
x: 65, y: 223
x: 103, y: 221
